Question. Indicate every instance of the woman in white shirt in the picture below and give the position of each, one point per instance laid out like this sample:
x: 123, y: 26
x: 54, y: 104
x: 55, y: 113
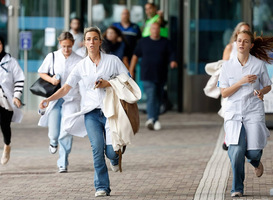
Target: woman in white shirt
x: 63, y: 62
x: 244, y: 80
x: 231, y: 52
x: 94, y: 71
x: 11, y: 89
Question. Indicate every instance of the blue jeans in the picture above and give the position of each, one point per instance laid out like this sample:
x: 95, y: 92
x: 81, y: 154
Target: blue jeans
x: 95, y: 126
x: 237, y: 154
x: 54, y: 122
x: 57, y: 135
x: 154, y: 92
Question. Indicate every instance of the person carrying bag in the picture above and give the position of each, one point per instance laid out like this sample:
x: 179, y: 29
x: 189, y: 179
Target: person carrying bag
x: 44, y: 88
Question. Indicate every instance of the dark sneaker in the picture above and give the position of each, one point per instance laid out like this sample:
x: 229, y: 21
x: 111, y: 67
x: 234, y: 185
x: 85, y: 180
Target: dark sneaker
x: 225, y: 147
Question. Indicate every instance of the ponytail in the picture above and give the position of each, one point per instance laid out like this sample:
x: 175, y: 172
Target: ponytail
x: 262, y: 46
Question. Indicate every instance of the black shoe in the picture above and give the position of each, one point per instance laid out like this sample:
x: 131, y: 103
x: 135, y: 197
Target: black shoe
x: 225, y: 147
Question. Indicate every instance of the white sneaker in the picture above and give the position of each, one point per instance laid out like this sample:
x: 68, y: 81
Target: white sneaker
x: 115, y: 168
x: 157, y: 126
x: 62, y: 170
x: 52, y: 149
x: 5, y: 155
x: 101, y: 193
x: 150, y: 124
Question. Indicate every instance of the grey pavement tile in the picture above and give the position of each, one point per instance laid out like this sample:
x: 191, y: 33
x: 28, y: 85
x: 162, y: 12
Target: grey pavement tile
x: 165, y: 164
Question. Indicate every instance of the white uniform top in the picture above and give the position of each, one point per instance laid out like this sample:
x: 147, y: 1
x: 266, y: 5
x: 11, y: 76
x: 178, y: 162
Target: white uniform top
x: 62, y: 66
x: 12, y: 83
x: 243, y: 106
x: 109, y: 67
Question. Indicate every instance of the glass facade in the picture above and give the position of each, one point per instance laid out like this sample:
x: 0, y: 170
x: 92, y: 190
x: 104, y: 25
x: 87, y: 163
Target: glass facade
x: 210, y: 26
x: 204, y: 26
x: 36, y: 17
x: 3, y: 19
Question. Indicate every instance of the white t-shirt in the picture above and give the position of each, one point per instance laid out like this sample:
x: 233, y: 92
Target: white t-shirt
x: 243, y: 106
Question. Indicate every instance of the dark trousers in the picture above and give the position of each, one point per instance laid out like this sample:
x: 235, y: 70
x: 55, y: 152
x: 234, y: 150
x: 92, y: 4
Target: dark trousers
x: 5, y: 121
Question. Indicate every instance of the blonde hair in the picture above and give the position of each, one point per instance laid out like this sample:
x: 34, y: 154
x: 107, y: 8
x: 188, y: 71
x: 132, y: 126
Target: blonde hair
x: 236, y: 30
x: 93, y: 29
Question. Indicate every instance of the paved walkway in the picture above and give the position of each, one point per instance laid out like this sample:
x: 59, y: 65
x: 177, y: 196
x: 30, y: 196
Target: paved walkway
x: 184, y: 160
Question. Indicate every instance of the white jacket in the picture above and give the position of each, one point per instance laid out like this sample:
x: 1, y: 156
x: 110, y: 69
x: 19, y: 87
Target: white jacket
x: 12, y: 76
x: 123, y: 88
x: 211, y: 89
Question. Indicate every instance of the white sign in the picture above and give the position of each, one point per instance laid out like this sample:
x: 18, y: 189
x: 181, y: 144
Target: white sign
x: 50, y: 37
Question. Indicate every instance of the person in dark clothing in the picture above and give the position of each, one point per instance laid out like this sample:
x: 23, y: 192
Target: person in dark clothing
x: 131, y: 31
x: 156, y: 53
x: 115, y: 43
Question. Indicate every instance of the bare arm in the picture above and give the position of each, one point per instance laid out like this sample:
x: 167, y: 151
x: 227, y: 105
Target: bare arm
x: 226, y: 92
x: 262, y: 92
x: 57, y: 95
x: 227, y: 52
x: 126, y: 62
x: 133, y: 65
x: 49, y: 79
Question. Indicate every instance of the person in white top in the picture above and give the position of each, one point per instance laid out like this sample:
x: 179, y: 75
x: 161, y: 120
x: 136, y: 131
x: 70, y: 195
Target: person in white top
x: 231, y: 52
x: 95, y: 70
x: 244, y: 81
x: 75, y: 25
x: 11, y: 89
x: 64, y: 61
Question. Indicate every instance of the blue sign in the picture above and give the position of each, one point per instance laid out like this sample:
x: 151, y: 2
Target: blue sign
x: 25, y: 40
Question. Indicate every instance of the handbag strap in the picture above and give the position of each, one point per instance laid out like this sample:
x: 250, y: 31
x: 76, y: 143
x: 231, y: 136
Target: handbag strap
x: 53, y: 57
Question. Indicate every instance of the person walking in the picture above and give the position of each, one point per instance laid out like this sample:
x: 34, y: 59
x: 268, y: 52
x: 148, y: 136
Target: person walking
x: 131, y: 31
x: 63, y: 62
x: 154, y: 16
x: 94, y: 71
x: 75, y: 30
x: 11, y: 89
x: 156, y: 53
x: 244, y: 81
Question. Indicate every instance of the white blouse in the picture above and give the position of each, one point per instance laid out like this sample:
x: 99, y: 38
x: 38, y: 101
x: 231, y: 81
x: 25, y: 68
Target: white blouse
x: 243, y: 106
x: 109, y: 67
x: 62, y: 66
x: 86, y: 71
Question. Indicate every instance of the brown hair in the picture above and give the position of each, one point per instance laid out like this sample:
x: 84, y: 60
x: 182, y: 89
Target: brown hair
x: 66, y: 36
x: 262, y: 46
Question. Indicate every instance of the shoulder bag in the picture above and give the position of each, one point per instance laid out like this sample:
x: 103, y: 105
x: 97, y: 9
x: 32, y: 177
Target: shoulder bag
x: 43, y: 88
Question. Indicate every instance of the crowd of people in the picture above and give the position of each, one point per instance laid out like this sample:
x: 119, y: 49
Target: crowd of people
x: 85, y: 65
